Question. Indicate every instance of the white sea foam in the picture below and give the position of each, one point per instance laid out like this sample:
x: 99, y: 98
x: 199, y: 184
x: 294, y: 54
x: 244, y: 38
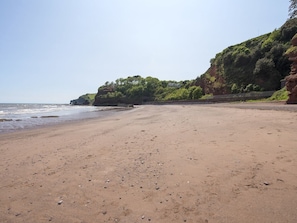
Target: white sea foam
x: 29, y: 115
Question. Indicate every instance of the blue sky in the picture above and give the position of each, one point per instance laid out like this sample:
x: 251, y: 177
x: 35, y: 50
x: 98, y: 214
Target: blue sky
x: 52, y: 51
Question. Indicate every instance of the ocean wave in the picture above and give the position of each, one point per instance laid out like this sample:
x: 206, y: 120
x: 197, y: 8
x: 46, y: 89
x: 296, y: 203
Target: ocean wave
x: 19, y: 116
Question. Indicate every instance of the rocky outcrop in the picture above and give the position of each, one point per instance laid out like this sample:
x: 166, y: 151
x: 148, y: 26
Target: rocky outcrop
x: 212, y: 82
x: 291, y: 80
x: 80, y: 101
x: 257, y: 64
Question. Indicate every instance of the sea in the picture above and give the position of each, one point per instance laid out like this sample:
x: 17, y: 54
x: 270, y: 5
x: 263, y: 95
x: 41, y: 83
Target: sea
x: 20, y: 116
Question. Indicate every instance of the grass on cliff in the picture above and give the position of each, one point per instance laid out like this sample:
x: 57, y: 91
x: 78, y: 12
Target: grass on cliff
x: 280, y: 95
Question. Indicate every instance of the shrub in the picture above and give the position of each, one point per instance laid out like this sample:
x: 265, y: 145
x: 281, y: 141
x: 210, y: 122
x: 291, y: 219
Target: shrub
x: 279, y: 95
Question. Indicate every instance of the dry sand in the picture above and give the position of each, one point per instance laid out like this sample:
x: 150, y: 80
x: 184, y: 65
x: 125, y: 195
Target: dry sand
x: 170, y: 163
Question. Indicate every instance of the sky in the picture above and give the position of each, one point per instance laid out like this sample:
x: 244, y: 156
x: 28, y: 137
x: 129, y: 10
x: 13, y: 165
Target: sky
x: 53, y: 51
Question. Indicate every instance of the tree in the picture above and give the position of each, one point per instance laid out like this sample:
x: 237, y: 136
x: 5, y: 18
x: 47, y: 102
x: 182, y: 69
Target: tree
x: 267, y: 77
x: 293, y: 9
x: 135, y: 91
x: 178, y: 94
x: 151, y: 84
x: 263, y: 68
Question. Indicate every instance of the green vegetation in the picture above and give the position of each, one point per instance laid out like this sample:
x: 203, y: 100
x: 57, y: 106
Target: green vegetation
x: 89, y: 97
x: 257, y: 64
x: 207, y: 97
x: 86, y: 99
x: 137, y: 89
x: 280, y: 95
x: 291, y: 50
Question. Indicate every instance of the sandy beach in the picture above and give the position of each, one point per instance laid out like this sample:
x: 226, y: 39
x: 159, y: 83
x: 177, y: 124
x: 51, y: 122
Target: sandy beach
x: 166, y: 163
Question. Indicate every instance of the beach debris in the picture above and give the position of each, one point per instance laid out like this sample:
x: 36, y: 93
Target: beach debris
x: 266, y: 183
x: 60, y: 202
x: 142, y: 217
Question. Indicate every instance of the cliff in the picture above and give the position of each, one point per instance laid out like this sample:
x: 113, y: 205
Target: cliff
x: 86, y: 99
x: 258, y: 64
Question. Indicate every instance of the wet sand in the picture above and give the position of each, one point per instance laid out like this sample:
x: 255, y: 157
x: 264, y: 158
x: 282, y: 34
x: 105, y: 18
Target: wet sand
x: 169, y: 163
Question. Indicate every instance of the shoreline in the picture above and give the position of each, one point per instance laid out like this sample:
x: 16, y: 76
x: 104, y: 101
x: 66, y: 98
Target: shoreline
x: 169, y: 163
x: 52, y: 120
